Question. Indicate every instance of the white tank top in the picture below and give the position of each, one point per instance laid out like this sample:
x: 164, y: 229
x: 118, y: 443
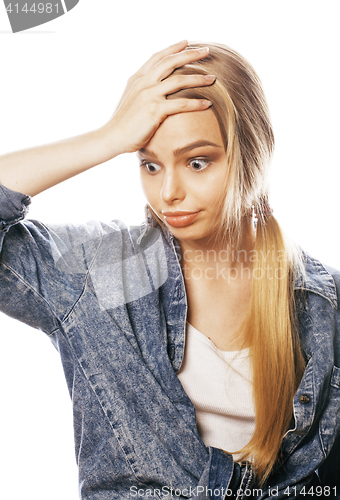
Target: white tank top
x: 219, y: 384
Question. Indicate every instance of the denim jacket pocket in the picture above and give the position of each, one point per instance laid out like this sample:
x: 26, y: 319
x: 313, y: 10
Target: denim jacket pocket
x: 303, y: 413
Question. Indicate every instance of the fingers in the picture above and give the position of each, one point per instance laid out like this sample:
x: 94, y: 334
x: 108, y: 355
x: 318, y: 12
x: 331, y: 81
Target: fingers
x: 175, y: 83
x: 182, y: 105
x: 159, y: 56
x: 144, y: 105
x: 168, y: 64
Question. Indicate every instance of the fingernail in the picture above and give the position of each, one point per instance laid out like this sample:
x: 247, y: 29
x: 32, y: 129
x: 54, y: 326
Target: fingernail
x: 210, y: 78
x: 204, y: 51
x: 207, y: 103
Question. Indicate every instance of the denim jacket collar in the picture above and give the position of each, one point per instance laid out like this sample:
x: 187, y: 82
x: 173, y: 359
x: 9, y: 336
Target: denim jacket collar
x: 316, y: 279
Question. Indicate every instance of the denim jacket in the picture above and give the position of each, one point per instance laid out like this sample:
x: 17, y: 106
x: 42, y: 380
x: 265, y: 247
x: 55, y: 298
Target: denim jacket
x: 112, y: 300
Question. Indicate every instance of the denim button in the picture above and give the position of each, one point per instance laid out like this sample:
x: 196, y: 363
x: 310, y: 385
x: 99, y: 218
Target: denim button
x: 172, y: 353
x: 304, y: 399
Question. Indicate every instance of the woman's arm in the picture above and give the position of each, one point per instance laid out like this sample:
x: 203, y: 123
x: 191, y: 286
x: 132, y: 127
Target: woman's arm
x: 143, y: 107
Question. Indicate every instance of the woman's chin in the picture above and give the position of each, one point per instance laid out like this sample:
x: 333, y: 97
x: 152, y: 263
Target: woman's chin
x: 191, y: 234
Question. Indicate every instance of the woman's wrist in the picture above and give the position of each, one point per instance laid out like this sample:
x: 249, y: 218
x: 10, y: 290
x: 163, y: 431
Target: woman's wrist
x: 112, y: 140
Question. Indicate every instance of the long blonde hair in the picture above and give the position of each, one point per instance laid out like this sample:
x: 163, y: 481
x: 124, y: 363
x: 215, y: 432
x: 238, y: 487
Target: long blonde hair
x: 242, y: 113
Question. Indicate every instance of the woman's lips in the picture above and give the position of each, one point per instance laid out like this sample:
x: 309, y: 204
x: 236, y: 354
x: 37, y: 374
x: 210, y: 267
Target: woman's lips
x: 180, y: 219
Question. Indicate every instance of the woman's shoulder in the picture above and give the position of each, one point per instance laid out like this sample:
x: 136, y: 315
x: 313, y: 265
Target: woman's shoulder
x: 314, y: 276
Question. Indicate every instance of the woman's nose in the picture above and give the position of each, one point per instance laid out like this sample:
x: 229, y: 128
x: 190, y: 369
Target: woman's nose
x: 172, y: 188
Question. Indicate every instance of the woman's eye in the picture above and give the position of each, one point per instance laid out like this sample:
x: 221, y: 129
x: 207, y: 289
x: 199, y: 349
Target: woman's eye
x: 152, y: 168
x: 199, y: 164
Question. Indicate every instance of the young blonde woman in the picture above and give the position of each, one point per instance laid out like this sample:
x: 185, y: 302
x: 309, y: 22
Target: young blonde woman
x: 200, y: 350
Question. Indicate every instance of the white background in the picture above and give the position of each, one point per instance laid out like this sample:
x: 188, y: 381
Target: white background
x: 64, y: 78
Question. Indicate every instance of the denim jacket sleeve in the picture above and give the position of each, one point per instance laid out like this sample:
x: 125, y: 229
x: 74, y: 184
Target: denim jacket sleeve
x: 329, y: 472
x: 18, y: 264
x: 43, y: 269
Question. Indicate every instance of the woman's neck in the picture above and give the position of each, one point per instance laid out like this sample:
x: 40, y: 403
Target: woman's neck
x: 218, y: 281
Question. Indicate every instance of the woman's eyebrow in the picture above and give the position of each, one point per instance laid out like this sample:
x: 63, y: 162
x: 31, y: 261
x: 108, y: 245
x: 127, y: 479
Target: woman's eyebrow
x: 184, y: 149
x: 194, y: 145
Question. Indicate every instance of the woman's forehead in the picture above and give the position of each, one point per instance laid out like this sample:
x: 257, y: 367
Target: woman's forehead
x: 177, y: 131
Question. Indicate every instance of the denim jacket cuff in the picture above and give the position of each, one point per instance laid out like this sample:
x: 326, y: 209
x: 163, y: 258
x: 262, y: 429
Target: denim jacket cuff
x: 223, y: 478
x: 14, y: 207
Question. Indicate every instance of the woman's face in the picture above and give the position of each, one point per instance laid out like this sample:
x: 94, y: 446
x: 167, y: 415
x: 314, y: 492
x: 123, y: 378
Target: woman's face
x: 183, y: 173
